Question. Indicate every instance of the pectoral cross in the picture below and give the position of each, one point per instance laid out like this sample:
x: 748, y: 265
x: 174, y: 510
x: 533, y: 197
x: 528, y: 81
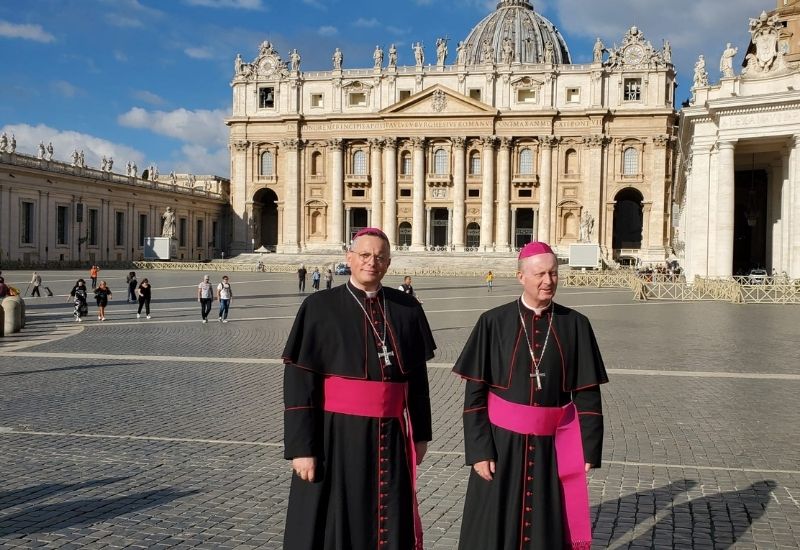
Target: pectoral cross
x: 385, y: 355
x: 538, y: 375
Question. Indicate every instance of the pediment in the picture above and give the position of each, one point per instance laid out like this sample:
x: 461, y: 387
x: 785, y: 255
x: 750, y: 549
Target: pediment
x: 439, y: 100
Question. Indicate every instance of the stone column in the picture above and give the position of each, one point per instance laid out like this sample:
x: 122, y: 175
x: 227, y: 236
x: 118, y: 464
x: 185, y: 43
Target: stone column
x: 376, y: 175
x: 5, y: 221
x: 545, y: 189
x: 794, y: 212
x: 658, y: 230
x: 418, y: 210
x: 347, y: 226
x: 535, y: 228
x: 725, y: 209
x: 514, y: 228
x: 459, y: 191
x: 503, y: 194
x: 592, y: 190
x: 239, y: 243
x: 450, y: 228
x: 390, y: 202
x: 335, y: 232
x: 428, y: 228
x: 291, y: 234
x: 487, y: 194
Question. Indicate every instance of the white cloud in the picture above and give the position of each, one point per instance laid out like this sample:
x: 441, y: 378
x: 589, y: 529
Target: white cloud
x: 199, y: 52
x: 397, y: 31
x: 123, y: 21
x: 316, y: 4
x: 148, y: 97
x: 234, y: 4
x: 197, y: 159
x: 26, y: 32
x: 66, y: 141
x: 201, y: 127
x: 120, y: 56
x: 64, y: 88
x: 327, y: 30
x: 366, y: 23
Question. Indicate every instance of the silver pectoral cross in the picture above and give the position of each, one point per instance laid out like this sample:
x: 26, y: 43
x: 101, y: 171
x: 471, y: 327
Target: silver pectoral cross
x: 538, y: 375
x: 385, y: 355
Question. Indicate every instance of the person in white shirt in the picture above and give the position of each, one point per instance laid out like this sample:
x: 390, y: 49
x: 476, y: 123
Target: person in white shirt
x: 205, y: 295
x: 224, y: 295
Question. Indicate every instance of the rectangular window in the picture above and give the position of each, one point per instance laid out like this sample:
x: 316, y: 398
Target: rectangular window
x: 405, y: 192
x: 474, y: 193
x: 119, y: 229
x: 526, y: 96
x: 404, y: 94
x: 62, y: 224
x: 142, y: 228
x: 475, y: 93
x: 26, y: 230
x: 199, y: 236
x: 316, y: 101
x: 633, y: 89
x: 525, y: 193
x: 266, y: 98
x: 91, y: 231
x: 475, y: 164
x: 182, y: 226
x: 357, y: 99
x: 573, y: 95
x: 359, y: 193
x: 405, y: 165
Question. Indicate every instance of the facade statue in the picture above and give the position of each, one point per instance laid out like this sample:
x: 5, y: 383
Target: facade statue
x: 765, y: 32
x: 377, y: 58
x: 392, y: 56
x: 76, y: 158
x: 700, y: 73
x: 597, y: 52
x: 508, y: 51
x: 487, y: 52
x: 3, y: 143
x: 154, y: 173
x: 134, y: 169
x: 294, y: 59
x: 667, y: 52
x: 13, y: 146
x: 549, y: 53
x: 419, y: 54
x: 103, y: 164
x: 168, y: 223
x: 238, y: 64
x: 82, y: 159
x: 726, y: 61
x: 41, y: 150
x: 587, y: 226
x: 461, y: 53
x: 338, y: 58
x: 173, y: 179
x: 128, y: 169
x: 441, y: 51
x: 50, y: 151
x: 110, y: 163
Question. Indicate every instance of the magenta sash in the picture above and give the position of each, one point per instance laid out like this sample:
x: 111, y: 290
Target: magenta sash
x: 563, y: 423
x: 377, y: 400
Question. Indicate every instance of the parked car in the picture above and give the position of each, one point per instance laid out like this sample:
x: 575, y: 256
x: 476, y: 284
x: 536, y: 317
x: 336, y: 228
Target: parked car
x: 341, y: 269
x: 757, y: 276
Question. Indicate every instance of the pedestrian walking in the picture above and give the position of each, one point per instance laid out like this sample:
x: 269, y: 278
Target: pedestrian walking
x: 79, y: 296
x: 407, y: 288
x: 145, y: 292
x: 36, y: 281
x: 94, y: 271
x: 328, y: 279
x: 533, y: 418
x: 489, y: 281
x: 301, y: 278
x: 315, y: 278
x: 205, y: 295
x: 224, y: 295
x: 102, y: 294
x: 132, y: 284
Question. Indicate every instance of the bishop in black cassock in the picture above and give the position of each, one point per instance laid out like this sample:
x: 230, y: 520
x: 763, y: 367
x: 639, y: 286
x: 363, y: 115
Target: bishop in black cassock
x: 536, y: 353
x: 352, y: 484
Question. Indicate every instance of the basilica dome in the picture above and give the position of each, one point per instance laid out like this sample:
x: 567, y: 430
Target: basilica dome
x: 514, y: 31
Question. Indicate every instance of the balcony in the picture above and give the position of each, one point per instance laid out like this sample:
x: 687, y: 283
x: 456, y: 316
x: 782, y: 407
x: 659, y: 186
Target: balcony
x: 358, y: 180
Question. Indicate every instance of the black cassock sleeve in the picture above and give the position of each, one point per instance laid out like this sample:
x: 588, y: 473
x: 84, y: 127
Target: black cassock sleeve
x: 590, y: 412
x: 478, y: 441
x: 419, y: 403
x: 302, y: 415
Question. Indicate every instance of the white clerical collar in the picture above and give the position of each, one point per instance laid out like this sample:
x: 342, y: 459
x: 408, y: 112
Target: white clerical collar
x: 537, y: 310
x: 369, y: 293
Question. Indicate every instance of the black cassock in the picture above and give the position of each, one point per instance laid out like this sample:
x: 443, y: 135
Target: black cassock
x: 362, y: 493
x: 521, y: 507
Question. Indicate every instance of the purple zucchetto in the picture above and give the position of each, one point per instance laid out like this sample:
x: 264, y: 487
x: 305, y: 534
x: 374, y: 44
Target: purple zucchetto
x: 534, y: 249
x: 371, y: 232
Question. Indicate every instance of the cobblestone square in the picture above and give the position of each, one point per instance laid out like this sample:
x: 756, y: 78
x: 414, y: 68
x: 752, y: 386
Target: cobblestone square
x: 166, y: 433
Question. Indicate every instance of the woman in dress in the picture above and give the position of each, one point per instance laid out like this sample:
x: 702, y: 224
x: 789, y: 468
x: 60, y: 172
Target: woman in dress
x: 79, y: 296
x: 102, y: 294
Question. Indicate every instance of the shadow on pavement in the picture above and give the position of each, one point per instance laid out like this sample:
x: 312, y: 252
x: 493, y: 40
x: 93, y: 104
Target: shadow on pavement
x: 720, y: 519
x: 46, y: 490
x: 80, y: 513
x: 73, y: 367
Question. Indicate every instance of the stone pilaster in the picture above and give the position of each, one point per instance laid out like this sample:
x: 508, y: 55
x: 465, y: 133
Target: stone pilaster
x: 292, y: 191
x: 376, y: 183
x: 503, y: 194
x: 794, y: 212
x: 239, y: 243
x: 418, y: 210
x: 390, y: 188
x: 336, y: 230
x: 487, y: 194
x: 725, y: 210
x: 459, y: 192
x: 546, y: 183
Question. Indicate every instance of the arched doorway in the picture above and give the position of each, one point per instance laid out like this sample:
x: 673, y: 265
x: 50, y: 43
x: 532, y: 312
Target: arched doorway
x: 265, y: 219
x: 750, y: 221
x: 473, y: 236
x: 628, y: 220
x: 404, y: 235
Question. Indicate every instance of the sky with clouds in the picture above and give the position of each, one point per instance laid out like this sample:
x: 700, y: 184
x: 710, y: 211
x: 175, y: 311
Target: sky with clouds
x: 149, y: 80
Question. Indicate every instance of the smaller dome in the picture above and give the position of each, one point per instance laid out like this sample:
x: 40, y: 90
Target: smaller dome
x: 515, y: 32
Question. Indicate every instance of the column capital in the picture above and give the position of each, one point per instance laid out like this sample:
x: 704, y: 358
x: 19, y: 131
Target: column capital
x: 241, y: 144
x: 459, y: 142
x: 661, y: 140
x: 376, y: 143
x: 390, y: 143
x: 796, y: 141
x: 728, y: 144
x: 549, y: 141
x: 597, y: 140
x: 506, y: 142
x: 488, y: 142
x: 292, y: 144
x: 418, y: 142
x: 335, y: 144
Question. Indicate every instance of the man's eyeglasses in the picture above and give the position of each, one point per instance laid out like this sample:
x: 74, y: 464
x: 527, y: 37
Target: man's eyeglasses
x: 366, y: 257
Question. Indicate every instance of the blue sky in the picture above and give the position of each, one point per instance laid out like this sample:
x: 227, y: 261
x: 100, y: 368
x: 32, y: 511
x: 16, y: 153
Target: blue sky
x: 149, y: 80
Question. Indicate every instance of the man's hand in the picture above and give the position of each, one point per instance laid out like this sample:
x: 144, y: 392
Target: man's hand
x: 304, y: 467
x: 421, y: 447
x: 485, y: 469
x: 588, y: 467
